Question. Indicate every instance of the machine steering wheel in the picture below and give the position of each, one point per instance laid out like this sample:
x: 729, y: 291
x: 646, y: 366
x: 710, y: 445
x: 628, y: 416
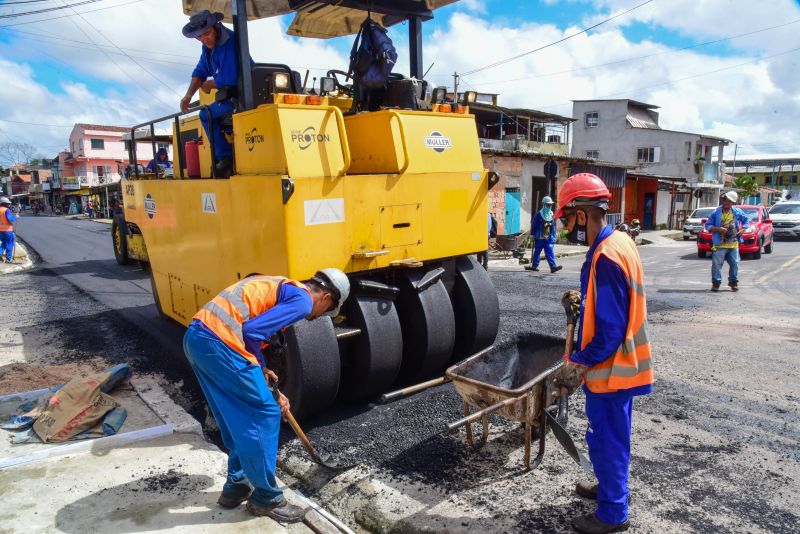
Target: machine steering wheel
x: 347, y: 89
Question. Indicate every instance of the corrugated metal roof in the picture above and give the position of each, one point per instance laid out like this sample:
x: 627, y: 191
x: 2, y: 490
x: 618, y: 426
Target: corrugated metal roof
x: 638, y: 117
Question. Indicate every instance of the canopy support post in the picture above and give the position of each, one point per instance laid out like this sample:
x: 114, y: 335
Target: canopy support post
x: 415, y: 46
x: 245, y: 78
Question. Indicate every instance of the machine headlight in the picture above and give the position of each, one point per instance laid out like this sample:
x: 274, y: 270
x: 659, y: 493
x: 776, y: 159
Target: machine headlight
x: 438, y: 95
x: 470, y: 97
x: 280, y: 80
x: 327, y: 85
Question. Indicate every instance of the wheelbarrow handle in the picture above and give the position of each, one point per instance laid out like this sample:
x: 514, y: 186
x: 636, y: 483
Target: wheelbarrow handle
x: 400, y: 393
x: 484, y: 412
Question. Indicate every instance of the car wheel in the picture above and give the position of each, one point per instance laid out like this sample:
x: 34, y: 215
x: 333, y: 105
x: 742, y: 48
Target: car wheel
x: 701, y: 253
x: 768, y: 248
x: 757, y: 253
x: 686, y: 238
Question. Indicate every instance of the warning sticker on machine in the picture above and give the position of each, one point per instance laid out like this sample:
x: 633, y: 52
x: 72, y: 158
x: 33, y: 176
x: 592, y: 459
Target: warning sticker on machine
x: 209, y: 201
x: 325, y: 211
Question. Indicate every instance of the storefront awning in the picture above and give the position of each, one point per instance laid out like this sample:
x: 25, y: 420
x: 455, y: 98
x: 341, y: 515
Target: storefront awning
x: 80, y: 192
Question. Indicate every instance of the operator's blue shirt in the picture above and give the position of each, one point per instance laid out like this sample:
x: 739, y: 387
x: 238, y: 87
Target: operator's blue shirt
x: 294, y: 303
x: 611, y: 316
x: 537, y: 227
x: 219, y: 62
x: 740, y: 217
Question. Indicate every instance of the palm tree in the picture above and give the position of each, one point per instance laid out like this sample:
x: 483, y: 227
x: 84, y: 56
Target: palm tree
x: 747, y: 185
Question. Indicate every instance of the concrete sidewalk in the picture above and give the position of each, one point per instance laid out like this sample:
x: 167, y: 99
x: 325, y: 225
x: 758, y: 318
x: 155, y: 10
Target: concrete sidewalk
x: 22, y: 260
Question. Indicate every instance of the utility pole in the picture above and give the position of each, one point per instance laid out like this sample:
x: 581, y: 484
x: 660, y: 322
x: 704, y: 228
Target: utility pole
x: 455, y: 87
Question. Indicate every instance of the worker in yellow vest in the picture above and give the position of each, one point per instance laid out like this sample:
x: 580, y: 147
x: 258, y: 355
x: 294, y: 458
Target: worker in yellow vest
x: 223, y: 345
x: 613, y: 347
x: 7, y: 217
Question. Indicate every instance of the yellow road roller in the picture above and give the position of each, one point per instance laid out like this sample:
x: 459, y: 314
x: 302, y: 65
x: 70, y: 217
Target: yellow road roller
x: 387, y: 185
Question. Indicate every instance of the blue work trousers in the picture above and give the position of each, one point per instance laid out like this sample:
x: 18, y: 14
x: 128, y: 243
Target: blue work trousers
x: 222, y: 148
x: 549, y: 255
x: 609, y: 439
x: 247, y: 414
x: 719, y: 257
x: 7, y: 245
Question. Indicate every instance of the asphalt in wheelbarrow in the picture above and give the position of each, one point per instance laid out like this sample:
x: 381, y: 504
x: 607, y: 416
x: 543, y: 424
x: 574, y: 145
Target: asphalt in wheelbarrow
x: 514, y: 364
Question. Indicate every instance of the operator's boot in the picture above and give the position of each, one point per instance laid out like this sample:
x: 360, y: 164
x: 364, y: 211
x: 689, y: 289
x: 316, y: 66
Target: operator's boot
x: 234, y: 494
x: 715, y: 285
x: 590, y: 524
x: 531, y: 268
x: 556, y: 268
x: 223, y: 168
x: 282, y: 512
x: 734, y: 285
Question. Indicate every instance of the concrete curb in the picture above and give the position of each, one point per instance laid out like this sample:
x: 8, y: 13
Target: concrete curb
x: 154, y: 396
x: 27, y: 262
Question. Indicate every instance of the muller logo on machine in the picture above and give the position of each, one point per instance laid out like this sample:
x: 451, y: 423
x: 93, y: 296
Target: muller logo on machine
x: 438, y: 141
x: 305, y: 138
x: 252, y: 138
x: 149, y: 205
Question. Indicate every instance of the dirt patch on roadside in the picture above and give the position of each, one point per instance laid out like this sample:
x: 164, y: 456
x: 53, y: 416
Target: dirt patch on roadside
x: 20, y: 377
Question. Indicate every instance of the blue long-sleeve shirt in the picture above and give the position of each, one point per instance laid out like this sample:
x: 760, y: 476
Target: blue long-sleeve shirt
x: 612, y: 300
x: 219, y: 62
x: 740, y: 217
x: 11, y: 216
x: 294, y: 303
x: 537, y: 227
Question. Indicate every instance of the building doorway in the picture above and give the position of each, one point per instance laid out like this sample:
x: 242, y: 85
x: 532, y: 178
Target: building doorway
x: 512, y: 210
x: 649, y: 210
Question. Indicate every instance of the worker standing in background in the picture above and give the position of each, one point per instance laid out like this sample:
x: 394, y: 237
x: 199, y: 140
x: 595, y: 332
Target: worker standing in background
x: 7, y: 237
x: 218, y: 61
x: 223, y: 345
x: 726, y: 224
x: 613, y: 346
x: 543, y: 230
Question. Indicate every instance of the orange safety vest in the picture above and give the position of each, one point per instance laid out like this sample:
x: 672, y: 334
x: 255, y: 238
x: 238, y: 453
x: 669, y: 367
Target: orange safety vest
x: 5, y: 226
x: 631, y: 365
x: 226, y: 313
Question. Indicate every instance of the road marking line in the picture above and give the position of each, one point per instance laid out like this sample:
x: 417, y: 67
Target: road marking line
x: 779, y: 269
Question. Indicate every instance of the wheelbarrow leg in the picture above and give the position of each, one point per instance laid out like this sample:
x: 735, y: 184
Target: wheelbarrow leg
x: 469, y: 425
x: 528, y: 431
x: 484, y: 424
x: 542, y: 429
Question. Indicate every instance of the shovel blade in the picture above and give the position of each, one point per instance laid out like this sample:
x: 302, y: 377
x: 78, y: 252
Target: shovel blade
x: 563, y: 437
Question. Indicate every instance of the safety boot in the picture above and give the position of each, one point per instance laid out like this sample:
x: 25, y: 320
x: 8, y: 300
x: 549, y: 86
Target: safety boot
x: 223, y: 168
x: 234, y: 495
x: 715, y: 285
x: 531, y: 268
x: 590, y: 524
x: 556, y: 268
x: 588, y: 490
x: 734, y: 285
x: 282, y: 512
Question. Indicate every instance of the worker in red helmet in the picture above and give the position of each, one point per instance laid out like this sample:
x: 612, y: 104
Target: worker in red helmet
x: 613, y: 349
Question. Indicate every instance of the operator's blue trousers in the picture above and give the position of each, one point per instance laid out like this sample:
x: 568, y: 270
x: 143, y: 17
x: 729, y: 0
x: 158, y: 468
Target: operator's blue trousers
x: 247, y: 414
x: 7, y: 245
x: 222, y: 148
x: 609, y: 439
x: 549, y: 255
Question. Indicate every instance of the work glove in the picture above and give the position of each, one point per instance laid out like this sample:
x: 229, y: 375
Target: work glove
x: 569, y: 375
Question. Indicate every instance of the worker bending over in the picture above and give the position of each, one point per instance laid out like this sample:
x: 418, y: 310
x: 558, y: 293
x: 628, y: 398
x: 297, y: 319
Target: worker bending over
x: 613, y: 346
x: 223, y: 345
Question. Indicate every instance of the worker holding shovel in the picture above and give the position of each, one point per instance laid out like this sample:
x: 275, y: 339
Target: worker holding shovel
x: 7, y: 234
x: 223, y: 345
x: 613, y: 352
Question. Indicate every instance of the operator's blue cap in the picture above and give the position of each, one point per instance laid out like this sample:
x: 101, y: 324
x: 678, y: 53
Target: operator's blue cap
x: 200, y: 22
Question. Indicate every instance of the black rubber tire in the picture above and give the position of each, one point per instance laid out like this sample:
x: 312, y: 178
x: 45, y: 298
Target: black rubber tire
x: 156, y: 300
x: 701, y: 253
x: 476, y: 308
x: 119, y: 240
x: 311, y: 366
x: 757, y: 254
x: 428, y: 325
x: 374, y: 356
x: 768, y: 248
x: 685, y: 238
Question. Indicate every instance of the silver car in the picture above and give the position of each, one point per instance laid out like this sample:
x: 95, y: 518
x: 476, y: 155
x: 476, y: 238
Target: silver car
x: 693, y: 225
x: 786, y: 218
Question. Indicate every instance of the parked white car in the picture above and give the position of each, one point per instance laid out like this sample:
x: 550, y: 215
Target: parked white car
x: 786, y: 218
x: 694, y: 222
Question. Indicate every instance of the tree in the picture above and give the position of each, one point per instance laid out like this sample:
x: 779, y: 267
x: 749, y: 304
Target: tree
x: 747, y: 184
x: 16, y: 153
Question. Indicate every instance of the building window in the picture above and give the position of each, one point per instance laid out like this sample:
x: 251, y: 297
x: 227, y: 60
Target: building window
x: 648, y: 154
x: 98, y: 144
x: 80, y: 145
x: 780, y: 180
x: 794, y: 179
x: 592, y: 154
x: 592, y: 119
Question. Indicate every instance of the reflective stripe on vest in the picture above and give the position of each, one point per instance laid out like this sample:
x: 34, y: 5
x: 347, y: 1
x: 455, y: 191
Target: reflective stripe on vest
x: 233, y: 306
x: 5, y: 226
x: 631, y: 365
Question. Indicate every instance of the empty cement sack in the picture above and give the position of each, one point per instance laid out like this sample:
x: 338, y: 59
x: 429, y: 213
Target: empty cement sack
x: 79, y: 405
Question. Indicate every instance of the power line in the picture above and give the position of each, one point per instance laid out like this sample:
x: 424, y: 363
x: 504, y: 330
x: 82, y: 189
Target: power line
x: 66, y: 16
x: 585, y: 30
x: 637, y: 58
x: 46, y: 10
x: 38, y: 124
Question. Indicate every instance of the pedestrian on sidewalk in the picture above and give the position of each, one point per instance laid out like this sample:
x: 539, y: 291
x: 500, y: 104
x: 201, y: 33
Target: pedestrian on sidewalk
x: 543, y: 230
x: 7, y: 237
x: 613, y: 348
x: 483, y: 257
x: 223, y: 345
x: 726, y: 224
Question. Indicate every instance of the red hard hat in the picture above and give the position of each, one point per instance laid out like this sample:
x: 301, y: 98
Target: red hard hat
x: 583, y: 185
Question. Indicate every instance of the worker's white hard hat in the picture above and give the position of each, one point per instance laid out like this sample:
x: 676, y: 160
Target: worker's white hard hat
x: 732, y: 196
x: 337, y: 283
x: 547, y: 200
x: 4, y: 200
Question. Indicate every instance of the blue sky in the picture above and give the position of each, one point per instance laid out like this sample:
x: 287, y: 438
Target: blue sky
x: 743, y: 89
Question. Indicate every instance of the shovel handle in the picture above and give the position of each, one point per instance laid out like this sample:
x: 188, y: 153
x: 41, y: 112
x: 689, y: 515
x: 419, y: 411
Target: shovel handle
x: 400, y: 393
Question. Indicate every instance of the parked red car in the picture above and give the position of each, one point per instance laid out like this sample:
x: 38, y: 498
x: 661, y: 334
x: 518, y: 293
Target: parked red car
x: 755, y: 239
